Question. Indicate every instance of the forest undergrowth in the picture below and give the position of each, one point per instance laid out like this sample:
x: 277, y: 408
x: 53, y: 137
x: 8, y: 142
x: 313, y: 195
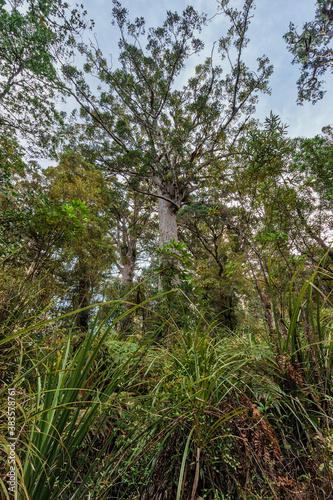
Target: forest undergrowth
x: 180, y: 413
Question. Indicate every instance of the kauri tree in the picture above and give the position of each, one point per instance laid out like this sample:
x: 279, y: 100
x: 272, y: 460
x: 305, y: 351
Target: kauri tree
x: 147, y: 128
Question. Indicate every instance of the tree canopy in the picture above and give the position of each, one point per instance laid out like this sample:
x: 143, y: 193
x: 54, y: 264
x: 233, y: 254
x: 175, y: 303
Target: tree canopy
x: 312, y: 50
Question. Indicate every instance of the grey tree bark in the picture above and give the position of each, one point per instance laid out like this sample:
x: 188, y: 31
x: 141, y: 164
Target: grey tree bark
x: 128, y: 259
x: 167, y: 220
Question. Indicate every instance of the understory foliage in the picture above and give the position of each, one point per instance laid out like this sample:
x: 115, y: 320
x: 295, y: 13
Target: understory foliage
x: 166, y: 286
x: 240, y: 415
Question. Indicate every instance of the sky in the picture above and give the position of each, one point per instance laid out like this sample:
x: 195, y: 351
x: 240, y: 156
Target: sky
x: 271, y: 20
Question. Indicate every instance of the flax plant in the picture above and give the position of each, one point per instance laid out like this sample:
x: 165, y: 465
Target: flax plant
x: 66, y: 401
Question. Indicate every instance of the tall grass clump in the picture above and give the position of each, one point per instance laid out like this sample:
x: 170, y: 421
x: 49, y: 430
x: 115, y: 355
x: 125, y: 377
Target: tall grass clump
x: 70, y: 409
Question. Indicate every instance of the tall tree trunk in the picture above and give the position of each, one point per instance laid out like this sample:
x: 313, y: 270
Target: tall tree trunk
x: 82, y: 318
x: 83, y: 300
x: 127, y: 273
x: 167, y: 220
x: 128, y: 260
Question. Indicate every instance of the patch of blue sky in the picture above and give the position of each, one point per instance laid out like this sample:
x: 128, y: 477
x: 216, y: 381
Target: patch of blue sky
x: 269, y: 23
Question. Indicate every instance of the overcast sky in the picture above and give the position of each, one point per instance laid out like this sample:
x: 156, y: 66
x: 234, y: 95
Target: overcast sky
x: 271, y: 20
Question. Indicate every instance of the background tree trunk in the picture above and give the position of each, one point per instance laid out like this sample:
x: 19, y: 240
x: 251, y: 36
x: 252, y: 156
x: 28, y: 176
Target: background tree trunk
x: 128, y: 261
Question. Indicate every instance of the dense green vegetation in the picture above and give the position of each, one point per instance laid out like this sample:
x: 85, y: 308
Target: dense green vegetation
x: 166, y: 286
